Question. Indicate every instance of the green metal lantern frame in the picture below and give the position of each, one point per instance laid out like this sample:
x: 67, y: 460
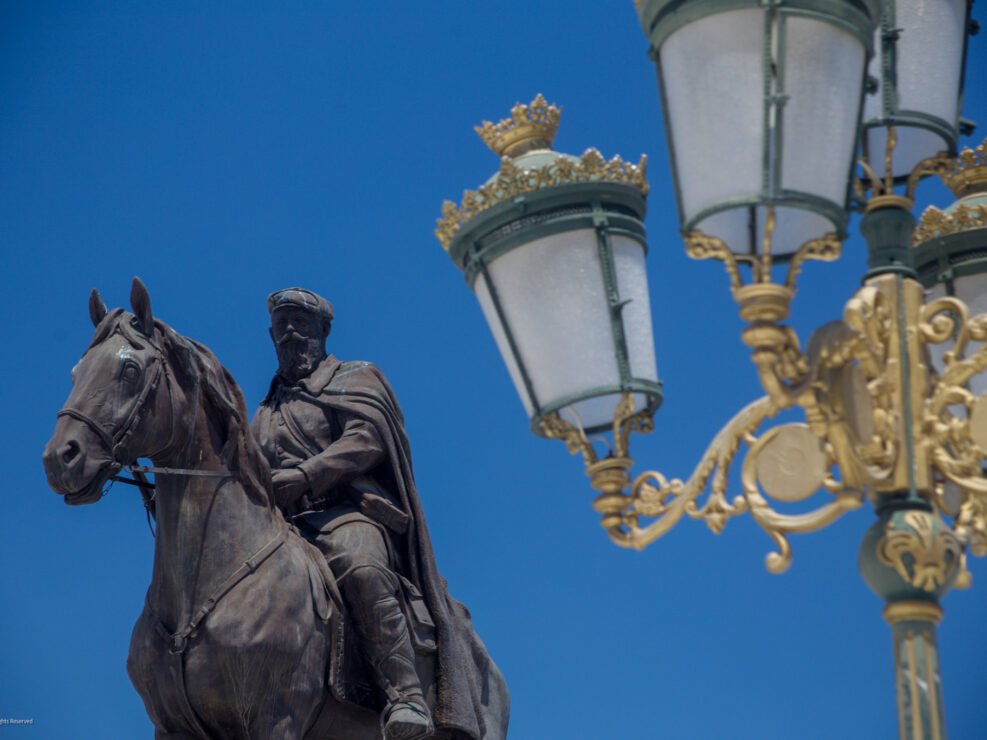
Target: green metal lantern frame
x: 894, y: 116
x: 610, y: 209
x: 943, y: 259
x: 661, y: 18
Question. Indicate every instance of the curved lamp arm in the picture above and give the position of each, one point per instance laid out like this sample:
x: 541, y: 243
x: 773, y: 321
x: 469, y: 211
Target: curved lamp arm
x: 851, y: 385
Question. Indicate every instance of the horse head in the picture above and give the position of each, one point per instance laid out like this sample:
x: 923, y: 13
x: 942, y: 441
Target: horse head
x: 117, y: 410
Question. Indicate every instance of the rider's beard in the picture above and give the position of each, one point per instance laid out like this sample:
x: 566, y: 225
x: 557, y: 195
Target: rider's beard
x: 298, y: 356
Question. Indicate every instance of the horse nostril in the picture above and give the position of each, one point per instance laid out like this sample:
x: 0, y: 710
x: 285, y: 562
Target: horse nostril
x: 70, y: 451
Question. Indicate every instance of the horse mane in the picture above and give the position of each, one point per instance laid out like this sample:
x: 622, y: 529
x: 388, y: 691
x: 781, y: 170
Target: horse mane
x: 225, y: 405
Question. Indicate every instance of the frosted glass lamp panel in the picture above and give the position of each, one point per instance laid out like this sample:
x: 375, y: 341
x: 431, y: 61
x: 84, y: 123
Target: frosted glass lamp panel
x: 912, y: 146
x: 500, y: 336
x: 793, y: 227
x: 733, y: 227
x: 632, y: 282
x: 712, y: 74
x: 823, y: 76
x: 972, y: 290
x: 552, y: 295
x: 929, y: 65
x: 930, y: 49
x: 935, y: 292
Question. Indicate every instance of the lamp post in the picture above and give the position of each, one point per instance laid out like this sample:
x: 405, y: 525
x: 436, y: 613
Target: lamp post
x: 767, y: 107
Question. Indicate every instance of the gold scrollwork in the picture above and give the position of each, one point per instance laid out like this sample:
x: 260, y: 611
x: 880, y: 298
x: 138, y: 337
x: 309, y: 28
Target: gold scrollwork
x: 957, y: 450
x: 655, y: 497
x: 923, y: 554
x: 554, y: 426
x: 665, y: 502
x: 626, y: 420
x: 827, y: 248
x: 971, y: 524
x: 702, y: 246
x: 843, y: 385
x: 841, y: 382
x: 870, y: 396
x: 779, y: 525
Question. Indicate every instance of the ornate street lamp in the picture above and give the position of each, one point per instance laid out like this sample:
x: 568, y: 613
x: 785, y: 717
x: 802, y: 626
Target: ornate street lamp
x: 745, y: 85
x: 553, y: 246
x: 765, y: 113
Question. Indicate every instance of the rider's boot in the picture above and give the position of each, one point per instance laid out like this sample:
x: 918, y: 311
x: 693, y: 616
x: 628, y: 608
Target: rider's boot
x: 387, y: 647
x: 407, y: 720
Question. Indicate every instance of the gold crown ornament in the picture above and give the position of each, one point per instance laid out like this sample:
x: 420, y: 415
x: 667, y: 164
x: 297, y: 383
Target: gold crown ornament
x: 965, y: 175
x: 531, y: 126
x: 968, y: 171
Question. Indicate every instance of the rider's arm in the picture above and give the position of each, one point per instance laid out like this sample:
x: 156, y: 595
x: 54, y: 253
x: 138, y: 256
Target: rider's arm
x: 358, y: 450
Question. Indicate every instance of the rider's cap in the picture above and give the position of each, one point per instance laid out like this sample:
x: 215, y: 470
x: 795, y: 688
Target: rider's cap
x: 300, y: 298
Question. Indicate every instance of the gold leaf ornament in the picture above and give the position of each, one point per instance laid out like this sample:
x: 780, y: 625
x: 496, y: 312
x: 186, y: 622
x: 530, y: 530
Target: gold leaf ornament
x: 513, y: 180
x: 924, y: 553
x: 936, y: 223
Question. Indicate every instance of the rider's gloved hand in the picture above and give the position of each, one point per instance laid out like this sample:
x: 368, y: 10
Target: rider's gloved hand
x: 290, y: 484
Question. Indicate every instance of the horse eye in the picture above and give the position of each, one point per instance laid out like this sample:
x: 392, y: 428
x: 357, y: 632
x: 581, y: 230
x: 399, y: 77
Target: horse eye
x: 130, y: 373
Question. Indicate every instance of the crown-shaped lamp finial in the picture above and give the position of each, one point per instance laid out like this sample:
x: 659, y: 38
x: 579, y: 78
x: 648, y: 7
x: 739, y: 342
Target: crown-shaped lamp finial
x: 531, y: 126
x: 967, y: 173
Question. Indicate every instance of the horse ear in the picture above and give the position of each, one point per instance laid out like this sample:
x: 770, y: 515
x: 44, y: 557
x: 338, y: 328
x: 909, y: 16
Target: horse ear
x: 140, y: 301
x: 97, y: 309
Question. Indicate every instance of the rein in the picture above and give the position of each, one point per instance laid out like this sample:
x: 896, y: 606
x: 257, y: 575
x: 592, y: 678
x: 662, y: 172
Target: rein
x: 167, y: 471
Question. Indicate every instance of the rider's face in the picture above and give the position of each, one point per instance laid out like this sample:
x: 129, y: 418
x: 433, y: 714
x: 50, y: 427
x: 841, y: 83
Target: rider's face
x: 299, y: 339
x: 290, y: 318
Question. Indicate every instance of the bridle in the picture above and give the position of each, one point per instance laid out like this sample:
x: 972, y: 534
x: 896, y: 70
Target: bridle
x: 116, y: 442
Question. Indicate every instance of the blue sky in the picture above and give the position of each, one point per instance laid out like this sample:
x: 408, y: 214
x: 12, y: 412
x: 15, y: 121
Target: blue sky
x: 221, y: 151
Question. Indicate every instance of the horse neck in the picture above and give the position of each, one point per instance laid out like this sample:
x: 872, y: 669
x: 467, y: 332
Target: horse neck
x: 206, y: 527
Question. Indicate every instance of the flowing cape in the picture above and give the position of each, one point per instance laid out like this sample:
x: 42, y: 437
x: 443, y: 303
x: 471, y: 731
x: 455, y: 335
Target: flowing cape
x: 360, y: 389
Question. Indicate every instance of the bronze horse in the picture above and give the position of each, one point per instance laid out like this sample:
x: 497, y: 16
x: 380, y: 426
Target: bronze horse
x: 242, y: 614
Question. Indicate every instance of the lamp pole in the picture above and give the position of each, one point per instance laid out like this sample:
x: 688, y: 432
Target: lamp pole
x: 781, y: 118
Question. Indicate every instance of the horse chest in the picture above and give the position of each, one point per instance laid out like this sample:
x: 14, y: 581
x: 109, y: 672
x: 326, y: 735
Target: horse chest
x: 259, y: 657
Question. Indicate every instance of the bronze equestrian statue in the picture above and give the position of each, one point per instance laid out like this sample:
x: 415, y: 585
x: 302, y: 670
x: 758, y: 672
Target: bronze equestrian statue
x: 245, y: 632
x: 334, y: 436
